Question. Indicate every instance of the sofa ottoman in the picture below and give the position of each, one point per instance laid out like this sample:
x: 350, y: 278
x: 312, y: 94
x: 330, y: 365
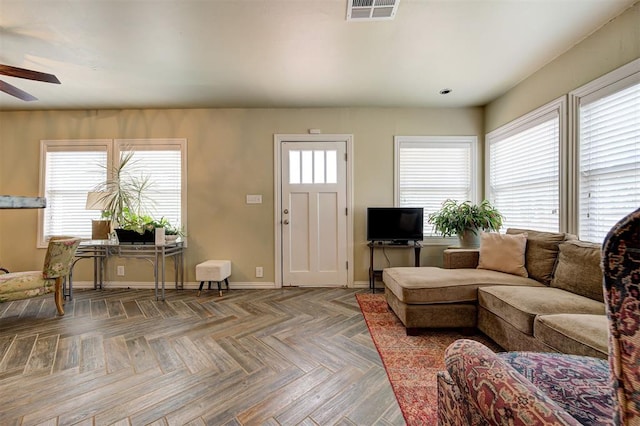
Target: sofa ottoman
x: 430, y: 297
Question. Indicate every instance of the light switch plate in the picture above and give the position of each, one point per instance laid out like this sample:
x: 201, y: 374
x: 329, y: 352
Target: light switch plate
x: 254, y: 199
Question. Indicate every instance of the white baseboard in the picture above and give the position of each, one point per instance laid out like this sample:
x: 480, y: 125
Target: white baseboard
x: 171, y: 285
x: 193, y: 285
x: 361, y: 284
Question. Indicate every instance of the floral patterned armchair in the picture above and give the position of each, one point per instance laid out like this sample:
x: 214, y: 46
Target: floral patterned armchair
x: 57, y: 263
x: 481, y: 387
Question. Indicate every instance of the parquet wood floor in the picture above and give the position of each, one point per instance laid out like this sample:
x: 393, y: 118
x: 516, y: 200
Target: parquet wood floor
x: 251, y: 357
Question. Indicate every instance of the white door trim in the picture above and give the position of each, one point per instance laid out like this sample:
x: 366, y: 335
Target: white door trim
x: 278, y: 139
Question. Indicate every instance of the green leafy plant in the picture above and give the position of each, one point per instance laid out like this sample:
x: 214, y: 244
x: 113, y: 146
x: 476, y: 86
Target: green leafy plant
x: 455, y: 217
x: 169, y: 229
x: 136, y: 222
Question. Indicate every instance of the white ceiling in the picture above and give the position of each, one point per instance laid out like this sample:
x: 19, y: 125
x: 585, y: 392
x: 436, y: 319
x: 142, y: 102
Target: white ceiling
x: 284, y: 53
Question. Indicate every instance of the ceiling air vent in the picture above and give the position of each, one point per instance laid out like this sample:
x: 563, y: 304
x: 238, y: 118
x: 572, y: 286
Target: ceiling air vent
x: 371, y: 10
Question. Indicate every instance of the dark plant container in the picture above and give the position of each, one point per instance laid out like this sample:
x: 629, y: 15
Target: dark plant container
x: 127, y: 236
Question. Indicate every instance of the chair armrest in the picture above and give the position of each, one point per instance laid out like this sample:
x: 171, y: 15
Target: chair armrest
x: 460, y: 258
x: 497, y: 391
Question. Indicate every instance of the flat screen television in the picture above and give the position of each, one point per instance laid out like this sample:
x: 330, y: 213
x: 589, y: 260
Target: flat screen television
x: 395, y: 224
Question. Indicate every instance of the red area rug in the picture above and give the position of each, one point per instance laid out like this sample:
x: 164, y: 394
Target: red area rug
x: 411, y: 361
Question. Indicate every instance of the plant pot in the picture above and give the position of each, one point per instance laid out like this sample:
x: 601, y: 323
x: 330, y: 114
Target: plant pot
x: 126, y: 236
x: 100, y: 229
x: 470, y: 238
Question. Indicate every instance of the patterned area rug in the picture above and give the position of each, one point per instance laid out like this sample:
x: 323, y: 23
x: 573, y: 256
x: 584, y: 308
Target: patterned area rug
x: 411, y: 361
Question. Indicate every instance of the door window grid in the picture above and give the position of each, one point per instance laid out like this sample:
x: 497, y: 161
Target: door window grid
x: 313, y: 167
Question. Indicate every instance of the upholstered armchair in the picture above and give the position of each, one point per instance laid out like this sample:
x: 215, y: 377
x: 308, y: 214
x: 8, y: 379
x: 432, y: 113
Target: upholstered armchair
x: 480, y: 387
x: 57, y: 263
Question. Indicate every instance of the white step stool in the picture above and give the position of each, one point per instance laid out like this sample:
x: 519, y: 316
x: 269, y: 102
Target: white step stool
x: 213, y: 270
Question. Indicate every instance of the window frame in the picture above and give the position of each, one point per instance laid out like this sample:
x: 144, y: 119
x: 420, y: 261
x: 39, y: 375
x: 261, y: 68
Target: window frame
x: 469, y: 140
x: 112, y: 148
x: 523, y: 123
x: 612, y: 82
x: 72, y: 145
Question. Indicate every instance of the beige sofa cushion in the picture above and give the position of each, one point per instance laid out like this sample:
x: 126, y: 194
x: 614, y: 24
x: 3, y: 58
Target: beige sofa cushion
x: 578, y: 334
x: 541, y: 254
x: 503, y: 253
x: 579, y: 270
x: 519, y: 306
x: 427, y: 285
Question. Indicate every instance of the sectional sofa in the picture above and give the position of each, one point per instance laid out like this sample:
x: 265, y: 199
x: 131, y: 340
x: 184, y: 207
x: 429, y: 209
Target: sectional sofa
x: 527, y: 290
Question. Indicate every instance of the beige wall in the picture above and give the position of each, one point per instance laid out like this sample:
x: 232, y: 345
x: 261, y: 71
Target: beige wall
x: 230, y: 154
x: 615, y: 44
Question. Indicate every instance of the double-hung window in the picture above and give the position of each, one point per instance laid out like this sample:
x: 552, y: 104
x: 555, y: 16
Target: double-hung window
x: 430, y: 170
x: 523, y: 162
x: 163, y: 163
x: 70, y: 169
x: 607, y: 126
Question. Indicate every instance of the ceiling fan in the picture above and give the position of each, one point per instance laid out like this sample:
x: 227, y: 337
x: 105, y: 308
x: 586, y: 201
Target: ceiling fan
x: 23, y: 73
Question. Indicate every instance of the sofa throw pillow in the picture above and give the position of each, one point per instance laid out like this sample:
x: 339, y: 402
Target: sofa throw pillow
x: 503, y: 253
x: 542, y: 252
x: 579, y: 269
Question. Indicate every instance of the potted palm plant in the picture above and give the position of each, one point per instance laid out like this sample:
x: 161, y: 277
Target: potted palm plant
x: 123, y: 196
x: 466, y: 220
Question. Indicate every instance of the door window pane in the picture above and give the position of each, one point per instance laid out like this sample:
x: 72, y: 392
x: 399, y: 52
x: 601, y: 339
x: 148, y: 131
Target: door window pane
x: 294, y: 167
x: 318, y: 166
x: 307, y: 167
x: 332, y: 166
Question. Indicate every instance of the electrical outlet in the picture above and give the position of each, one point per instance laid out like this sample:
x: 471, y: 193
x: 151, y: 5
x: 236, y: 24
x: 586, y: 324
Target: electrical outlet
x: 259, y: 272
x: 121, y: 271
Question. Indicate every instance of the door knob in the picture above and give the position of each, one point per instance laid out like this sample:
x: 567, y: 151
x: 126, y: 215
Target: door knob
x: 286, y: 221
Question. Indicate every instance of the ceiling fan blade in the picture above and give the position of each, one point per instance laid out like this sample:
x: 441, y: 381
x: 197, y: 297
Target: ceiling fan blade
x: 28, y: 74
x: 14, y: 91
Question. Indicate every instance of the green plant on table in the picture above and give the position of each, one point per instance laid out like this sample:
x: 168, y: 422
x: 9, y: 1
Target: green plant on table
x: 136, y: 222
x: 455, y: 217
x: 169, y: 229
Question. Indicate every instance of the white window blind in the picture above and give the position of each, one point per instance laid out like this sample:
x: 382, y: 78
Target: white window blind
x: 609, y: 153
x: 71, y: 171
x: 430, y: 170
x: 162, y: 167
x: 523, y: 172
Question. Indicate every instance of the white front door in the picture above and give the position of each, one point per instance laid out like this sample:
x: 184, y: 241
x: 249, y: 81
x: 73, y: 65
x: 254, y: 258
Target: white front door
x: 314, y: 214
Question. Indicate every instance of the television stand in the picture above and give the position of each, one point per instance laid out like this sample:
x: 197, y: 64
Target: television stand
x: 373, y: 245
